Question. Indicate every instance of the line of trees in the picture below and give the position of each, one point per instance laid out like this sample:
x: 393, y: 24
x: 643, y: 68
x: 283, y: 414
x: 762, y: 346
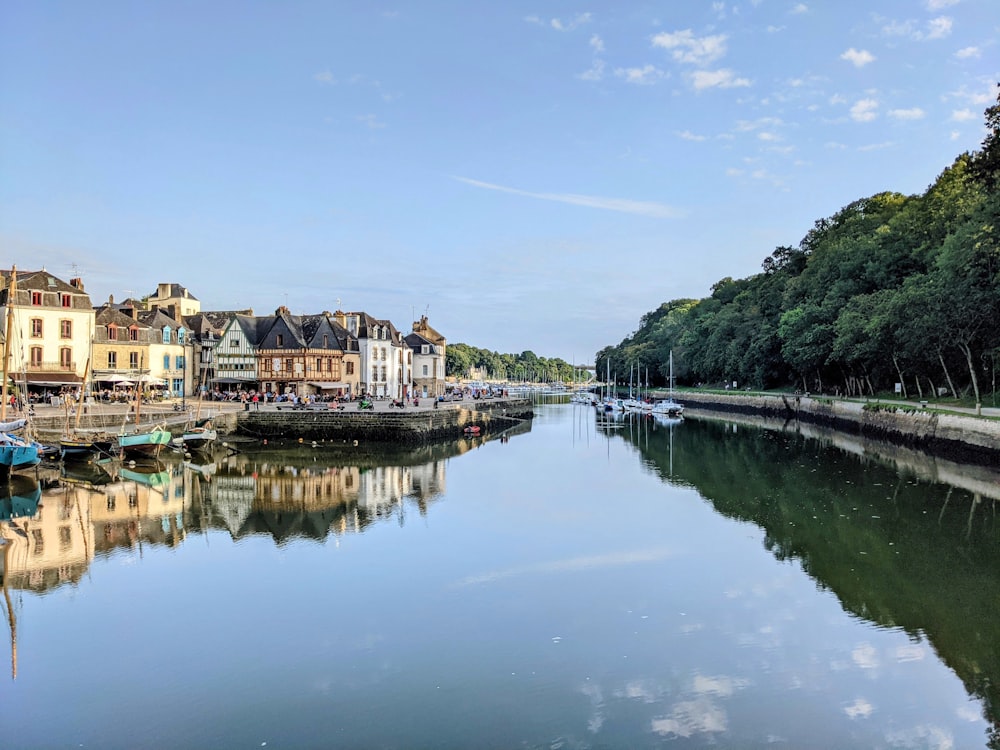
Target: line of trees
x: 462, y: 360
x: 890, y: 289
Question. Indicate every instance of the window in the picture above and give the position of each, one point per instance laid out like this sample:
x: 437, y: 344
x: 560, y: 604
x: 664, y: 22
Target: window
x: 36, y: 356
x: 326, y: 341
x: 179, y: 363
x: 234, y: 342
x: 133, y: 360
x: 36, y: 328
x: 36, y: 298
x: 425, y: 371
x: 425, y: 349
x: 166, y: 361
x: 112, y: 332
x: 350, y: 368
x: 112, y: 360
x: 67, y: 301
x: 383, y: 354
x: 277, y: 364
x: 288, y: 365
x: 409, y: 358
x: 279, y: 340
x: 166, y: 334
x: 180, y: 335
x: 133, y: 334
x: 65, y: 329
x: 65, y: 358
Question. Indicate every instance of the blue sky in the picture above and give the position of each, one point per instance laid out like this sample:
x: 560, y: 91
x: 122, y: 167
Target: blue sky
x: 532, y: 175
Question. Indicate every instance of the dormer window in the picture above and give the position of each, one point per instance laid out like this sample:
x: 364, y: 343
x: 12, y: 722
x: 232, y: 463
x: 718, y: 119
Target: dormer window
x: 279, y: 340
x: 36, y: 298
x: 112, y: 332
x: 166, y: 334
x: 67, y: 301
x: 180, y: 335
x: 425, y: 349
x: 326, y: 341
x: 133, y: 334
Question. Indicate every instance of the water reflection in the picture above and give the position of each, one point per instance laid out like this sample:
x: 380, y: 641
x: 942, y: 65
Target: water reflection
x: 903, y: 539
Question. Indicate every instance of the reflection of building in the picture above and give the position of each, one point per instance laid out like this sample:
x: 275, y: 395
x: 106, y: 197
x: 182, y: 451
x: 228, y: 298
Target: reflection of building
x: 286, y: 501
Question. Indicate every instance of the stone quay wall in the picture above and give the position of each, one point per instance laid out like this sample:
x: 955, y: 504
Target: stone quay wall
x: 956, y: 436
x: 403, y: 426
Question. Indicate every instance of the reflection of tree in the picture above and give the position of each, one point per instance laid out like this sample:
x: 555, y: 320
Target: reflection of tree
x: 896, y: 550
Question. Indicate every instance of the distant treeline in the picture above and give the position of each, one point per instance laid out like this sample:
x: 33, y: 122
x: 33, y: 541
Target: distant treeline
x: 890, y: 289
x: 462, y: 360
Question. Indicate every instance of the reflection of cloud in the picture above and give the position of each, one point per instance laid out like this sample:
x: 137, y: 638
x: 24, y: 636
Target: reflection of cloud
x: 642, y: 208
x: 596, y: 720
x: 859, y: 709
x: 865, y: 656
x: 922, y: 736
x: 571, y: 565
x: 691, y: 717
x: 641, y: 690
x: 911, y: 652
x: 721, y: 686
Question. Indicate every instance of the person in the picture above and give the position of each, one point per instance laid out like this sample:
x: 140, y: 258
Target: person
x: 256, y: 402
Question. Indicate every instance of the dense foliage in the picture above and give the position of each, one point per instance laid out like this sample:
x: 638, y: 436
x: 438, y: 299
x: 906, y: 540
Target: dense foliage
x: 890, y: 289
x: 462, y: 360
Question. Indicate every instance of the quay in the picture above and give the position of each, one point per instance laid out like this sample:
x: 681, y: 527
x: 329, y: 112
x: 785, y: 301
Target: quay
x: 322, y: 421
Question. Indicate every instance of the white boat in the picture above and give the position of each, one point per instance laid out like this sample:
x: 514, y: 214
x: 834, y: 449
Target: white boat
x: 668, y: 407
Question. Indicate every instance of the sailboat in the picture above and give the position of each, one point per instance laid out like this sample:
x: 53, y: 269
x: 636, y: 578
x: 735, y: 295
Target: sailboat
x: 201, y: 436
x: 16, y: 453
x: 668, y: 407
x: 75, y: 445
x: 142, y: 443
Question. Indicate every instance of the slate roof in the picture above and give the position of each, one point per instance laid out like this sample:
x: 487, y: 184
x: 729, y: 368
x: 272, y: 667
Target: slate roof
x: 41, y: 281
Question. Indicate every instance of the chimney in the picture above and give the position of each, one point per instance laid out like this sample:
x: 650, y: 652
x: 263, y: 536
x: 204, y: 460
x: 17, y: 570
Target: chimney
x: 76, y: 283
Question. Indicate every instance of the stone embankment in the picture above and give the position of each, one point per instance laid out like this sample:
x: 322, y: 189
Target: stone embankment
x: 968, y: 438
x: 405, y: 426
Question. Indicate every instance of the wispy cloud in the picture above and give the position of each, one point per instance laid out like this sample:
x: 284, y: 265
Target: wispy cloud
x: 570, y: 565
x: 371, y: 121
x: 325, y: 77
x: 723, y: 79
x: 559, y: 24
x: 644, y: 76
x: 914, y: 113
x: 963, y: 115
x: 864, y: 110
x: 935, y: 5
x: 687, y: 48
x: 859, y: 58
x: 640, y: 208
x: 935, y: 28
x: 687, y: 135
x: 594, y: 73
x: 800, y: 8
x: 968, y: 52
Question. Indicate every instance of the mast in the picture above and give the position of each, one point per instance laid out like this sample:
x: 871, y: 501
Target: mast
x: 11, y: 290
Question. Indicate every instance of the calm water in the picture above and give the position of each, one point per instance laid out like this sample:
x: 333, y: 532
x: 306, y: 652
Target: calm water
x: 581, y: 585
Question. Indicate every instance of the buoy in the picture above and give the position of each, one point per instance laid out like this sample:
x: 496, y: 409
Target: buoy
x: 300, y: 440
x: 355, y: 443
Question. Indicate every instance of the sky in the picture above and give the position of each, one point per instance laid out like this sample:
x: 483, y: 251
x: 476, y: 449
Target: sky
x: 531, y: 175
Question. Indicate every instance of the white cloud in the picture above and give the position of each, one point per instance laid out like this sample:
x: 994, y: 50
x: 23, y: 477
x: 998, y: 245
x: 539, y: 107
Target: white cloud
x: 719, y: 9
x: 876, y: 146
x: 594, y: 73
x: 963, y: 115
x: 933, y: 5
x: 687, y: 135
x: 800, y: 8
x: 558, y: 24
x: 641, y: 208
x: 938, y: 28
x: 687, y: 48
x: 859, y: 58
x: 371, y: 121
x: 838, y: 99
x: 643, y: 76
x: 723, y: 79
x: 325, y: 77
x: 914, y: 113
x: 596, y: 43
x: 864, y: 110
x: 954, y: 135
x: 966, y: 52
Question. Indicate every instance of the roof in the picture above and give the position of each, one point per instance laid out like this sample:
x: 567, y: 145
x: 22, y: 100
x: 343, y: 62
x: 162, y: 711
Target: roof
x: 41, y: 281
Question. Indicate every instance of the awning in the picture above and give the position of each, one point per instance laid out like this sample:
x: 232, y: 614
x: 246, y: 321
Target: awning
x: 48, y: 378
x: 329, y: 386
x: 113, y: 378
x: 234, y: 380
x: 152, y: 380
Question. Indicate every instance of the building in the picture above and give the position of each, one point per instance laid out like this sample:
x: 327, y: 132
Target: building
x: 51, y: 327
x: 428, y: 352
x: 385, y: 369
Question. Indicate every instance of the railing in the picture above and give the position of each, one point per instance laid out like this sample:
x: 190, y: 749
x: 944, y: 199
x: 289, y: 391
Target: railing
x: 51, y: 367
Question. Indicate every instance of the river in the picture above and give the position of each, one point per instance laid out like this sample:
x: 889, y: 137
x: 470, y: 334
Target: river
x: 580, y: 583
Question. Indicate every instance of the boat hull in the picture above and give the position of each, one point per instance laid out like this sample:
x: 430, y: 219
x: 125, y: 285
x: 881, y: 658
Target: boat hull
x: 18, y: 458
x: 199, y: 440
x: 144, y: 444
